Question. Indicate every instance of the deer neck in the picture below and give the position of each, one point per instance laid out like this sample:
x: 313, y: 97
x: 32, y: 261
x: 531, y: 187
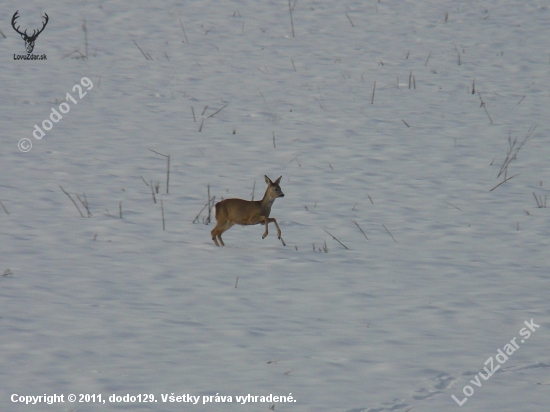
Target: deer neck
x: 266, y: 203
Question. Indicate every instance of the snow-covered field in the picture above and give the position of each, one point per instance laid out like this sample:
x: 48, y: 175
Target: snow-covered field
x: 401, y: 321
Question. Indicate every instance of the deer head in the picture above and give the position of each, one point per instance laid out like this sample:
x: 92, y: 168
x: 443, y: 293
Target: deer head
x: 29, y: 40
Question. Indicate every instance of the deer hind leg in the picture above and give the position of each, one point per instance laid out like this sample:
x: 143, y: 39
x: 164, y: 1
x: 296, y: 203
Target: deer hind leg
x: 217, y: 232
x: 214, y: 233
x: 221, y: 228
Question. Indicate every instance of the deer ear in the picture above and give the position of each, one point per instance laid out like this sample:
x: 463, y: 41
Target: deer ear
x: 278, y: 180
x: 268, y: 180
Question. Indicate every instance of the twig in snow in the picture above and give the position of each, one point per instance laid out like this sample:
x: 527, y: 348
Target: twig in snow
x: 352, y: 25
x: 357, y: 224
x: 209, y: 205
x: 85, y: 30
x: 456, y: 207
x: 147, y: 56
x: 291, y: 19
x: 390, y: 234
x: 504, y: 181
x: 429, y: 55
x: 336, y: 239
x: 297, y: 161
x: 184, y: 35
x: 85, y: 204
x: 217, y: 111
x: 483, y: 105
x: 167, y: 167
x: 204, y: 207
x: 72, y: 200
x: 162, y: 212
x: 153, y: 192
x: 4, y: 207
x: 513, y: 150
x: 541, y: 203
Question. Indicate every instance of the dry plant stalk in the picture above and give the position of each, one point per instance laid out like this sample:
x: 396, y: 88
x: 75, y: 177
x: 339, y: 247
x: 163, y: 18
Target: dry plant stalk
x: 291, y: 19
x: 153, y: 192
x: 72, y: 200
x: 357, y: 224
x: 352, y: 25
x: 85, y: 204
x: 513, y: 150
x: 4, y: 207
x: 167, y: 169
x: 146, y: 55
x: 162, y: 212
x: 337, y: 239
x: 540, y: 202
x: 390, y: 234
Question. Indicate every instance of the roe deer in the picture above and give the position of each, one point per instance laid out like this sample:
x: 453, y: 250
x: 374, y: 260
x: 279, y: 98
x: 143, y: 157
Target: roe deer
x: 247, y: 212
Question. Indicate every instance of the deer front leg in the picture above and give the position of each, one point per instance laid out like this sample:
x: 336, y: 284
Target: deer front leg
x: 272, y: 219
x: 277, y: 226
x: 266, y: 222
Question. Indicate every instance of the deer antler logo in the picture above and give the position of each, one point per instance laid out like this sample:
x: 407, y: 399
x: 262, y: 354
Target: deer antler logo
x: 29, y: 40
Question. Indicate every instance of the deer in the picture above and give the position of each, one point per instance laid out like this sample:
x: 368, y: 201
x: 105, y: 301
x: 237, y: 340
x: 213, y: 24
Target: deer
x: 29, y: 40
x: 247, y: 212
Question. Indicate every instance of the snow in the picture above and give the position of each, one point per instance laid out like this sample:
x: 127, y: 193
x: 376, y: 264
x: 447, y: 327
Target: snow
x: 402, y: 321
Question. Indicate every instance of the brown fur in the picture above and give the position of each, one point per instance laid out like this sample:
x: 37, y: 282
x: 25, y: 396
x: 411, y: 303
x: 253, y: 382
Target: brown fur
x: 247, y: 212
